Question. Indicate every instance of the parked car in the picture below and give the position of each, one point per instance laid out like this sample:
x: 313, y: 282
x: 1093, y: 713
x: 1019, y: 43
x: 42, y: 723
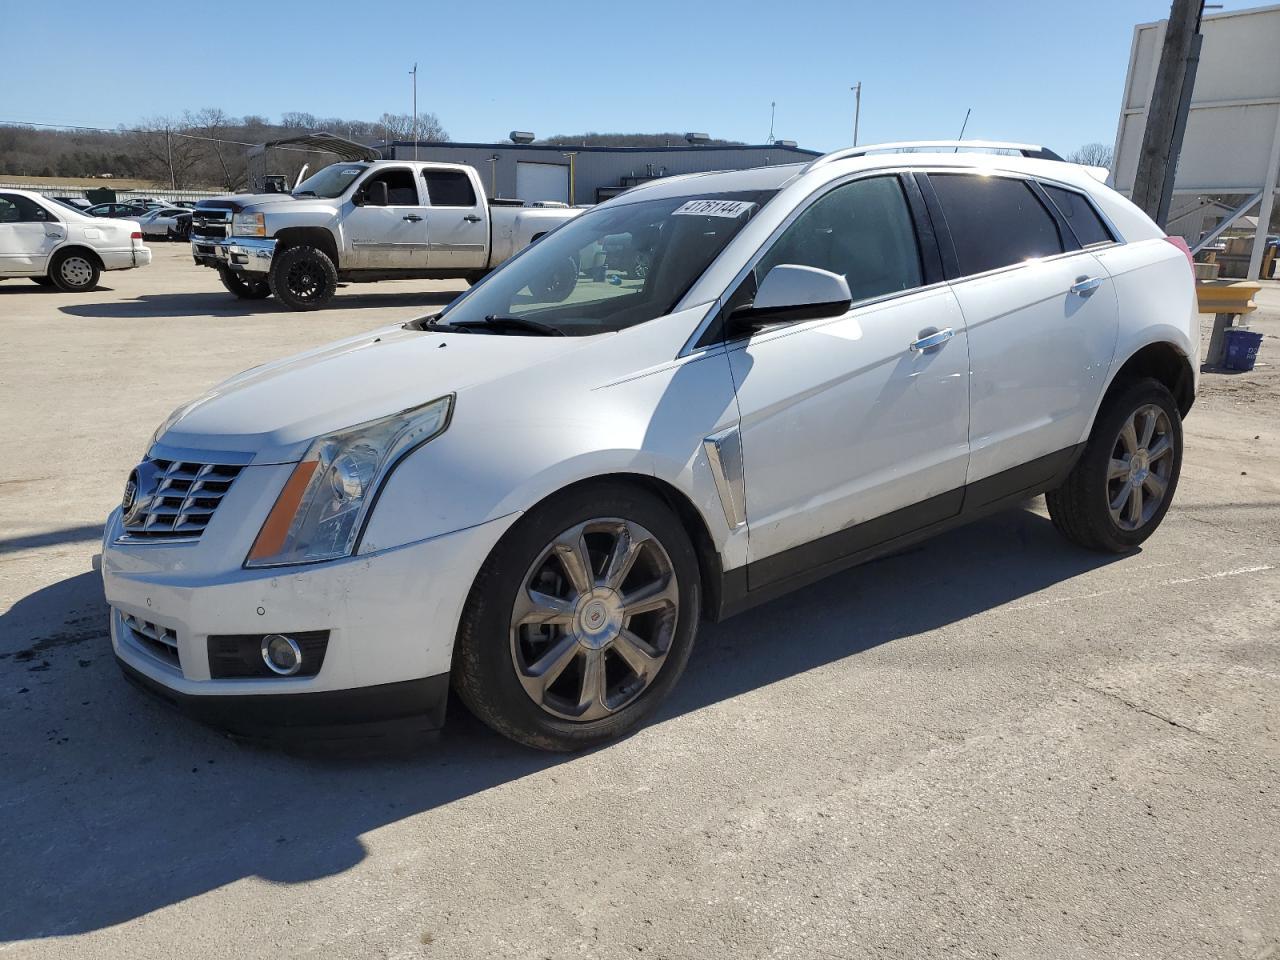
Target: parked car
x: 535, y: 496
x: 170, y: 223
x: 113, y: 209
x: 56, y: 245
x: 148, y: 203
x: 76, y: 203
x: 360, y: 222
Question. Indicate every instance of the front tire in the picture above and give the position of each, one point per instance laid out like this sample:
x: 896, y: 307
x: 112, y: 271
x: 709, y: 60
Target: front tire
x: 582, y: 619
x: 73, y: 271
x: 1124, y: 482
x: 303, y: 278
x: 242, y: 288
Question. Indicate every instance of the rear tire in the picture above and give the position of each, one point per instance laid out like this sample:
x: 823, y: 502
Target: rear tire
x: 1124, y: 482
x: 242, y: 288
x: 563, y: 660
x: 303, y: 278
x: 73, y: 271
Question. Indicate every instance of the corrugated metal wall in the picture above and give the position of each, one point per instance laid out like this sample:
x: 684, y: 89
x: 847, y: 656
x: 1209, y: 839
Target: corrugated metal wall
x: 598, y: 167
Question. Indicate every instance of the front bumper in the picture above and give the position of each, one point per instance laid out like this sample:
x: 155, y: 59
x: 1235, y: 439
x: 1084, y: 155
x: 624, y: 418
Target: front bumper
x: 241, y: 254
x: 391, y: 617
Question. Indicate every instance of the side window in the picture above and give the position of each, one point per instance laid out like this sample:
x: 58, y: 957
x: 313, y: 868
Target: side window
x: 449, y: 188
x: 401, y: 190
x: 1080, y: 215
x: 862, y: 231
x: 19, y: 209
x: 995, y: 221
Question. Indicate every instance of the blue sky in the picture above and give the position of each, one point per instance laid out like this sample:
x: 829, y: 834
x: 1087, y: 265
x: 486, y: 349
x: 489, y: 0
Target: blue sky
x: 1034, y: 70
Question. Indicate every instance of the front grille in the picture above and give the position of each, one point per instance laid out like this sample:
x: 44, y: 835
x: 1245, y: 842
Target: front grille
x: 161, y: 642
x: 210, y: 223
x: 240, y: 655
x: 185, y: 498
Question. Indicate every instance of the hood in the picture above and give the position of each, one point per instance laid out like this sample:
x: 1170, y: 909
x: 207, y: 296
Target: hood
x: 274, y: 411
x: 238, y: 202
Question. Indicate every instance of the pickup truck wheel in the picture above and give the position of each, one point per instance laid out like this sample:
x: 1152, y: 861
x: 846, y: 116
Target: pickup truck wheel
x: 242, y: 288
x: 1122, y: 486
x: 581, y: 620
x: 73, y: 271
x: 303, y: 278
x: 559, y: 285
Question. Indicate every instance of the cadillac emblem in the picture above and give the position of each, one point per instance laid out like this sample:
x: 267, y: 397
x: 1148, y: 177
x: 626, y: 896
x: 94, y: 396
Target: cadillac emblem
x: 130, y: 500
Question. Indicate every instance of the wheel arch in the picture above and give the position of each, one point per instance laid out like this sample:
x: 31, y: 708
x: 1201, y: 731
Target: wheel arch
x: 317, y: 237
x: 81, y: 248
x: 710, y: 569
x: 1159, y: 360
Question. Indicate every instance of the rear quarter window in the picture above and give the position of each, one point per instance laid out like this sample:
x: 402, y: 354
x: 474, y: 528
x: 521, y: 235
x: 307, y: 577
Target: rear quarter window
x: 1080, y: 216
x: 995, y: 221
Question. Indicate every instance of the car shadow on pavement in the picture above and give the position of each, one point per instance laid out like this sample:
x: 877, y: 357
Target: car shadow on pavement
x: 163, y: 306
x: 115, y: 806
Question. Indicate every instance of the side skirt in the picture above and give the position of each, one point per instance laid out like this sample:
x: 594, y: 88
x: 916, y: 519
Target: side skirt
x: 747, y: 586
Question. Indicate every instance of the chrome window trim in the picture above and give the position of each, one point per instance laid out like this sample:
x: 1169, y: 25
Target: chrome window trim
x: 820, y: 190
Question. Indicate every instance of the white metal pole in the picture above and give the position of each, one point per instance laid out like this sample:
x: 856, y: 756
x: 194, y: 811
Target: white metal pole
x: 857, y: 109
x: 414, y: 71
x: 1264, y: 209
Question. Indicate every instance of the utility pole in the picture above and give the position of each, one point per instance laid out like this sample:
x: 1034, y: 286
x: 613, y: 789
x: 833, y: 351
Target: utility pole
x: 414, y: 72
x: 571, y: 157
x: 168, y: 149
x: 1166, y: 117
x: 773, y: 111
x: 857, y: 108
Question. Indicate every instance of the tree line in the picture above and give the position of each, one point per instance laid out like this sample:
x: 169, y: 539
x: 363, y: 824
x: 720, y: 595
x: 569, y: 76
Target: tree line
x: 206, y: 148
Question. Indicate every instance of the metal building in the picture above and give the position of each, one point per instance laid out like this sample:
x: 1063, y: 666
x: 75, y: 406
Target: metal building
x: 1232, y: 144
x: 533, y: 171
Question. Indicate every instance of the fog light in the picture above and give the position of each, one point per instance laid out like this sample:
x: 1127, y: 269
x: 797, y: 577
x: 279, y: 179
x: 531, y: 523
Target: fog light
x: 281, y: 654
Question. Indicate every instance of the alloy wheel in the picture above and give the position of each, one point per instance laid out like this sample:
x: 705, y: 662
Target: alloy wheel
x: 304, y: 281
x: 594, y: 619
x: 1140, y: 467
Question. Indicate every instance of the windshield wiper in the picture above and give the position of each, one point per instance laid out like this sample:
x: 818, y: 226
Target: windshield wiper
x: 497, y: 323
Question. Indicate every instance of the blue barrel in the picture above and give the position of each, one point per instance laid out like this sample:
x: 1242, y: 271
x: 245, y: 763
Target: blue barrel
x: 1241, y: 349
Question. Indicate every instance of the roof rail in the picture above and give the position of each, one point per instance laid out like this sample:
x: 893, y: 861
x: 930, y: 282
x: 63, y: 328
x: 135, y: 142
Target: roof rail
x: 1030, y: 150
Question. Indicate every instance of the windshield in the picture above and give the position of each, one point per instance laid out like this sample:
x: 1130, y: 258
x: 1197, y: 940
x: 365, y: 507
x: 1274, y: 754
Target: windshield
x: 330, y: 182
x: 610, y: 268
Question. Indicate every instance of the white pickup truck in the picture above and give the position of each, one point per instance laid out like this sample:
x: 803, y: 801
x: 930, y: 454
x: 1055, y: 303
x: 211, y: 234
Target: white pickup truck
x: 362, y: 221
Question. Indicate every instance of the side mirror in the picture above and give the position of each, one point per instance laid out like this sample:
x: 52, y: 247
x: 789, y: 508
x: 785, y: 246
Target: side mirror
x: 790, y: 292
x: 375, y: 193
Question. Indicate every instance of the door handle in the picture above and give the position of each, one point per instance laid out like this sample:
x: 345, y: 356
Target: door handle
x: 932, y: 340
x: 471, y: 218
x: 53, y: 236
x: 412, y: 218
x: 1086, y: 285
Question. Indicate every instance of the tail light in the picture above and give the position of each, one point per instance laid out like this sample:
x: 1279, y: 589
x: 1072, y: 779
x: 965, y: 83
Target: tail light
x: 1186, y: 250
x: 136, y: 235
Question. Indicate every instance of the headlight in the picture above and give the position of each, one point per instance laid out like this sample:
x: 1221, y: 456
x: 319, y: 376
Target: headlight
x: 318, y: 513
x: 248, y: 225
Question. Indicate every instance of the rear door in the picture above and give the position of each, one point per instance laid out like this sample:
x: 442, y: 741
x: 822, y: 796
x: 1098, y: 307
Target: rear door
x: 849, y: 435
x: 1042, y: 321
x: 459, y: 221
x: 28, y: 235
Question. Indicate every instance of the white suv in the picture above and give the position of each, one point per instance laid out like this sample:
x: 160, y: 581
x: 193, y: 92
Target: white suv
x: 536, y: 495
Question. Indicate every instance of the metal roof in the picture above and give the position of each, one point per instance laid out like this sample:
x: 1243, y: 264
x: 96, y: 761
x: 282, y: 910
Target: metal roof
x: 341, y: 147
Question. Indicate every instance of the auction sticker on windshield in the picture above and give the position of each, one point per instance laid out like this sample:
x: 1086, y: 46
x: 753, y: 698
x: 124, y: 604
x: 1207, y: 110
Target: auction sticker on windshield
x: 714, y: 208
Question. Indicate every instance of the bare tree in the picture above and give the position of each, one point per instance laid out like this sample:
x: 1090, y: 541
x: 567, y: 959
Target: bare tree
x: 399, y: 126
x: 228, y: 165
x: 162, y: 152
x: 294, y: 120
x: 1093, y: 155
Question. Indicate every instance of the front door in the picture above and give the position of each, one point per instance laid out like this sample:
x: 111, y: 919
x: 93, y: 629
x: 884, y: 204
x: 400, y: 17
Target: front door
x: 459, y: 222
x: 1042, y: 321
x: 852, y: 432
x: 393, y: 237
x: 28, y: 235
